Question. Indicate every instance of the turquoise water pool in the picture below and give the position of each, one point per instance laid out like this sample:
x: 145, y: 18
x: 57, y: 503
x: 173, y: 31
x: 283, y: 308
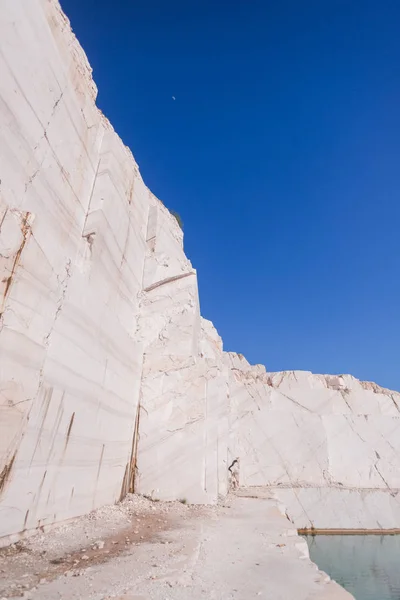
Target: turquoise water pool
x: 368, y: 566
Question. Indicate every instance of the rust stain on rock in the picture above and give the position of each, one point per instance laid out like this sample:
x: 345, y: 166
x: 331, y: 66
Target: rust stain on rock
x: 48, y: 393
x: 128, y: 482
x: 71, y: 422
x: 41, y: 483
x: 5, y: 474
x: 70, y: 426
x: 26, y: 230
x: 124, y: 486
x: 26, y: 519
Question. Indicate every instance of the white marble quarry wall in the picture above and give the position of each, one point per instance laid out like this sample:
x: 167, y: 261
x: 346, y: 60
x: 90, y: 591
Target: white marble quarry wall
x: 100, y: 325
x: 274, y: 439
x: 302, y: 429
x: 109, y: 376
x: 340, y: 508
x: 73, y: 225
x: 182, y: 449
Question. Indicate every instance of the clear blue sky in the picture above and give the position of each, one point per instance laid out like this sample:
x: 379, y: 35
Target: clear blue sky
x: 281, y: 152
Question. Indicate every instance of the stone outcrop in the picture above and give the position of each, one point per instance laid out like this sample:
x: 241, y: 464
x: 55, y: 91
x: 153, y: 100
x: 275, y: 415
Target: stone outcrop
x: 100, y: 331
x: 300, y: 429
x: 183, y: 405
x: 110, y: 378
x: 328, y: 447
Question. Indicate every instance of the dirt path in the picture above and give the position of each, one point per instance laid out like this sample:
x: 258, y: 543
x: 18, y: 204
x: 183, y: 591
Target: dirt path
x: 141, y: 550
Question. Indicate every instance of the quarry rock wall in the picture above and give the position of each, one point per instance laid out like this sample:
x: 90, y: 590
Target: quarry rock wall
x: 100, y: 324
x: 326, y: 446
x: 320, y: 430
x: 110, y: 379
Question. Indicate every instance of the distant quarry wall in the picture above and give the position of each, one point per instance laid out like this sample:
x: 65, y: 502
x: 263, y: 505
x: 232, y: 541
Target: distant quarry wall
x: 328, y: 446
x: 110, y: 379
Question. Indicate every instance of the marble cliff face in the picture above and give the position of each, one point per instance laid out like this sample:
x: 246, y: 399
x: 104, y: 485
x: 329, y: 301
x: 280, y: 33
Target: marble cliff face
x: 110, y: 378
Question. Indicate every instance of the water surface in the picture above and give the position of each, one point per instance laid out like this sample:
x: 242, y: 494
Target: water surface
x: 367, y: 566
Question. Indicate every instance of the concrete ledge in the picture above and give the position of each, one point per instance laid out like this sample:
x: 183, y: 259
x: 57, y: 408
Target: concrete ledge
x: 314, y: 532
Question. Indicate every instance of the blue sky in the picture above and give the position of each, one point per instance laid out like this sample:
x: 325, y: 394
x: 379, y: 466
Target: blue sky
x: 281, y: 152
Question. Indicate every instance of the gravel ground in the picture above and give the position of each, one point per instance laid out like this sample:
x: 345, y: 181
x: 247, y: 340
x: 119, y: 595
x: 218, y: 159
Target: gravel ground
x: 145, y: 550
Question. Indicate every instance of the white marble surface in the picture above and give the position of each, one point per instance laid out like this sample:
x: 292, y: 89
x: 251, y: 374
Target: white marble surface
x: 183, y: 419
x: 340, y: 508
x: 99, y: 307
x: 316, y: 430
x: 100, y: 322
x: 74, y: 214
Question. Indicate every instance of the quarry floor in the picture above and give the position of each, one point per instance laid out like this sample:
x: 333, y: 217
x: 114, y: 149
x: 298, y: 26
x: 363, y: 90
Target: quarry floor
x: 143, y: 550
